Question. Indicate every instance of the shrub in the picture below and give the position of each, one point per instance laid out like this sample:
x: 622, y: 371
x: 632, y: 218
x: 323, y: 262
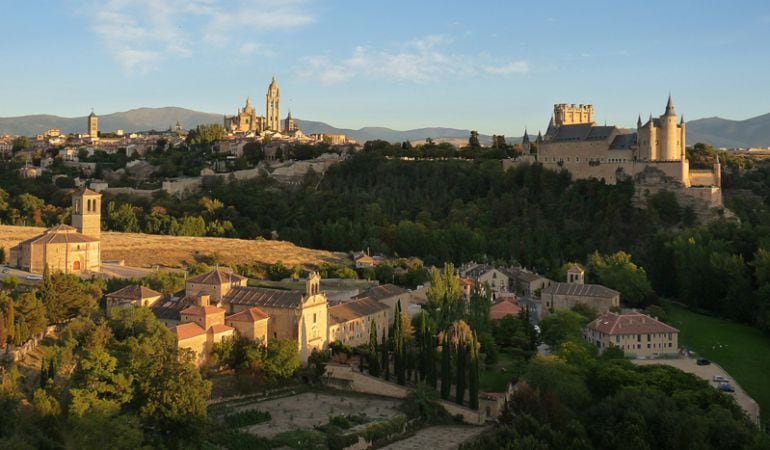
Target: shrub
x: 246, y: 418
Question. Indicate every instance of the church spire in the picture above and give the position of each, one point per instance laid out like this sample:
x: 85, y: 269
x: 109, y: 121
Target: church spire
x: 639, y: 121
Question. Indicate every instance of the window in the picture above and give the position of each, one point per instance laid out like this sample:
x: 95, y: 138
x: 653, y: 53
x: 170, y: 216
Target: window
x: 638, y: 338
x: 314, y: 318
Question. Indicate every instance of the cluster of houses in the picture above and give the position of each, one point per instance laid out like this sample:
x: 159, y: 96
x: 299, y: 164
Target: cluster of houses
x: 637, y: 334
x: 220, y: 304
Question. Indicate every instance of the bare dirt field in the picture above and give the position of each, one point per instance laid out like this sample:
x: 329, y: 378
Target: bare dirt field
x: 303, y: 411
x: 144, y: 250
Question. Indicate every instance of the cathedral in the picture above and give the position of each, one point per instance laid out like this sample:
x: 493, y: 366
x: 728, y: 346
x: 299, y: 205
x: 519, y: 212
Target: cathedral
x: 246, y: 120
x: 653, y: 155
x: 70, y: 249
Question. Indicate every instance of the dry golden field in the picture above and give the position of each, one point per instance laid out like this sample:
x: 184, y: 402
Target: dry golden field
x: 145, y: 250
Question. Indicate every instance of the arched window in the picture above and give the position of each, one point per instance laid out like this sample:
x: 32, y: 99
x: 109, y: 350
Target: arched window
x: 76, y: 266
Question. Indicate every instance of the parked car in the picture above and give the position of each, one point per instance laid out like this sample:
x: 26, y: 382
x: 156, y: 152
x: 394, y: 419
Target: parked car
x: 720, y: 379
x: 725, y: 387
x: 702, y: 362
x: 6, y: 270
x: 33, y: 277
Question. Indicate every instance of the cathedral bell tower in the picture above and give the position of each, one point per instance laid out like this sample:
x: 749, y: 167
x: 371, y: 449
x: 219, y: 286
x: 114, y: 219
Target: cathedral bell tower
x: 273, y: 107
x: 87, y: 212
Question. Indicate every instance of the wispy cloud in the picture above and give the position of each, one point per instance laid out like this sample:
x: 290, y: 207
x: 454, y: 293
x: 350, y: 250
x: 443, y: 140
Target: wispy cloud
x: 421, y: 60
x: 140, y: 33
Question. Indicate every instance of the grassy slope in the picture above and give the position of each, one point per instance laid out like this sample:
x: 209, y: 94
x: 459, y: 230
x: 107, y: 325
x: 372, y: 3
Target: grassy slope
x: 143, y: 250
x: 744, y: 352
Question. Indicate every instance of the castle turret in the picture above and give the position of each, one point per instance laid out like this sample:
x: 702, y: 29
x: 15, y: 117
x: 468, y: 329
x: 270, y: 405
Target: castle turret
x: 87, y: 212
x: 670, y: 135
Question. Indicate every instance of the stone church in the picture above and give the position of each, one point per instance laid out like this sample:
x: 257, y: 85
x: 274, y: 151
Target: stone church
x: 69, y: 249
x: 247, y: 121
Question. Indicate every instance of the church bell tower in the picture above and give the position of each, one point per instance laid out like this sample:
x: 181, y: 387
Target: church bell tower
x: 273, y: 107
x: 87, y: 212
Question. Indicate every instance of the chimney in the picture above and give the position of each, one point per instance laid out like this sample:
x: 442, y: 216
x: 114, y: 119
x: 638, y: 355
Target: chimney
x: 204, y: 300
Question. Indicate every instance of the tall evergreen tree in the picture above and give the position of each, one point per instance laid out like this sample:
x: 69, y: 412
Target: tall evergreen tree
x: 3, y: 331
x: 385, y: 358
x: 374, y: 363
x: 43, y: 374
x: 399, y: 353
x: 10, y: 317
x: 461, y: 349
x: 473, y: 373
x: 446, y: 382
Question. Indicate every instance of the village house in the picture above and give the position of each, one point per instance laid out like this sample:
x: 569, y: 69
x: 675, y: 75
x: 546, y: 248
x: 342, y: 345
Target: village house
x: 566, y: 295
x: 503, y: 307
x: 389, y: 295
x: 486, y: 275
x: 133, y: 295
x: 350, y: 322
x: 635, y: 333
x: 525, y: 282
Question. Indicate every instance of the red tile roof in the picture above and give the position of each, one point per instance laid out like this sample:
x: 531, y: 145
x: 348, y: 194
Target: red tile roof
x: 134, y: 292
x: 188, y: 330
x: 503, y: 308
x: 630, y: 323
x: 355, y: 309
x: 382, y: 291
x: 250, y: 315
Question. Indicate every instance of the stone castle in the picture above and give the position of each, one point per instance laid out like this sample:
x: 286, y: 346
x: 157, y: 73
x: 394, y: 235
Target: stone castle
x: 247, y: 121
x: 653, y: 155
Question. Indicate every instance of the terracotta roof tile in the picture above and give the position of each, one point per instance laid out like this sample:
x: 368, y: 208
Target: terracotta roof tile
x: 630, y: 323
x: 134, y: 292
x: 250, y: 315
x: 219, y: 329
x: 188, y: 330
x: 503, y: 308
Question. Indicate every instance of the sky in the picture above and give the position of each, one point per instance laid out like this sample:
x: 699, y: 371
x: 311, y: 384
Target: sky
x: 494, y: 66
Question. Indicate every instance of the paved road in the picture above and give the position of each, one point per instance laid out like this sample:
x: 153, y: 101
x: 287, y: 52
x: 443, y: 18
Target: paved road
x: 707, y: 373
x: 118, y: 271
x: 20, y: 274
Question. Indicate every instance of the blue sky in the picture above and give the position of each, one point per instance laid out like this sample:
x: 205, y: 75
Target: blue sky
x: 495, y: 66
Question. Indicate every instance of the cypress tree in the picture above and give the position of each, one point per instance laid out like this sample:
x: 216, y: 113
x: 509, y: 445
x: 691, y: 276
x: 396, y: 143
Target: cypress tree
x: 385, y: 359
x: 473, y: 373
x: 51, y: 369
x: 398, y: 347
x: 431, y: 358
x: 423, y: 347
x: 3, y: 331
x: 11, y: 318
x: 374, y: 363
x: 461, y: 368
x: 445, y: 367
x: 43, y: 374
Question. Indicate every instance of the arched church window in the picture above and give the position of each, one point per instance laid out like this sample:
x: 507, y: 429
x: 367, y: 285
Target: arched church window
x: 76, y: 266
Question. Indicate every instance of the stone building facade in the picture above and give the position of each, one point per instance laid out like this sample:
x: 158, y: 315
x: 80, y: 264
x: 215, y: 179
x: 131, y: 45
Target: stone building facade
x: 653, y: 153
x: 69, y: 249
x: 246, y: 120
x: 351, y: 322
x: 635, y: 333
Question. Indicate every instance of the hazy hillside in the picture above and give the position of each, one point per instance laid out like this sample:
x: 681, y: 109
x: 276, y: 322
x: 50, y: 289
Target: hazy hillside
x: 754, y: 132
x: 141, y: 119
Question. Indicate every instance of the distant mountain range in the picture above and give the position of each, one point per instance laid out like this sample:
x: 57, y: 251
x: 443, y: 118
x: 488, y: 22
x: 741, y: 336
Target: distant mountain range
x: 754, y: 132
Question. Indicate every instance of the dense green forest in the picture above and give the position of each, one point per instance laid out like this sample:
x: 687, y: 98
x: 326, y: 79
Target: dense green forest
x: 457, y: 210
